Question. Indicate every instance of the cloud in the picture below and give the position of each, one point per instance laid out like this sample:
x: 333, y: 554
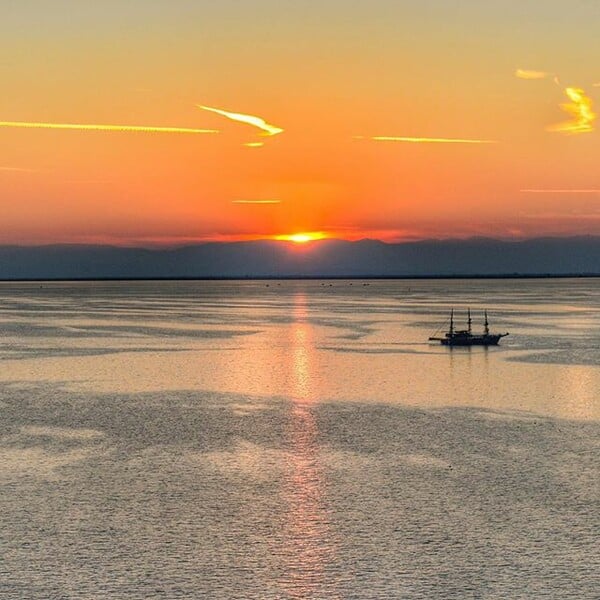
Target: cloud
x: 267, y: 128
x: 550, y: 191
x: 256, y: 201
x: 423, y: 140
x: 528, y: 74
x: 580, y: 109
x: 18, y: 170
x: 94, y: 127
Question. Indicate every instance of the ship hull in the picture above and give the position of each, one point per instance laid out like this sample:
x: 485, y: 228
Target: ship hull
x: 475, y: 340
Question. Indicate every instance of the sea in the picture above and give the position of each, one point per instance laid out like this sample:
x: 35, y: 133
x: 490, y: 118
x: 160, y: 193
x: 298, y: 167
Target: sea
x: 299, y: 440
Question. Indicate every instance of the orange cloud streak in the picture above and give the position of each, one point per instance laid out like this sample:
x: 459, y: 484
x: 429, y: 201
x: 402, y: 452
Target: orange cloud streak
x: 248, y: 119
x: 424, y: 140
x: 94, y: 127
x: 528, y: 74
x: 589, y: 191
x: 256, y: 201
x: 19, y: 170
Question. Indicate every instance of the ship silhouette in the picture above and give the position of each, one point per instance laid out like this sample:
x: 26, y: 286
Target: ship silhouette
x: 466, y: 337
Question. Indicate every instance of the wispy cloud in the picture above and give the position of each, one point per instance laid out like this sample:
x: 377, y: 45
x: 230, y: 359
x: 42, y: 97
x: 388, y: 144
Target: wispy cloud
x: 423, y: 140
x: 558, y: 191
x: 561, y: 217
x: 529, y: 74
x: 95, y: 127
x: 274, y: 201
x: 18, y: 170
x: 580, y: 109
x: 89, y: 181
x: 258, y: 122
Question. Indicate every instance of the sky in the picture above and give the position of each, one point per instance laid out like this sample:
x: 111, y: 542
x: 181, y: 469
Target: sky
x: 139, y: 122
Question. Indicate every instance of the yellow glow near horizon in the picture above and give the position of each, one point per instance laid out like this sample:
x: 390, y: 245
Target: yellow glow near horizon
x: 95, y: 127
x: 248, y: 119
x: 301, y: 238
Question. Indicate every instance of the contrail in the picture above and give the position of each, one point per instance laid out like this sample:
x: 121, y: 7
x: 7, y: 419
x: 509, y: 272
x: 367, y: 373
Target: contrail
x: 588, y: 191
x: 248, y: 119
x: 528, y: 74
x: 18, y: 170
x: 423, y: 140
x: 581, y: 111
x: 94, y: 127
x: 256, y: 201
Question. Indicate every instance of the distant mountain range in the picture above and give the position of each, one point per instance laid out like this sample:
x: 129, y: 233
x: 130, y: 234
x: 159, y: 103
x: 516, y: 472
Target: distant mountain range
x: 325, y: 258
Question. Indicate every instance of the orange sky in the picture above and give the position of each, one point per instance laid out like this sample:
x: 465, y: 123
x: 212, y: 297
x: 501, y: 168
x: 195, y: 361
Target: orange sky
x: 332, y: 76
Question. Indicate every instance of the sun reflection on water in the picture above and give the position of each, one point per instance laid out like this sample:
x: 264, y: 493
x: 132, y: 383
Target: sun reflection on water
x: 579, y: 386
x: 309, y: 542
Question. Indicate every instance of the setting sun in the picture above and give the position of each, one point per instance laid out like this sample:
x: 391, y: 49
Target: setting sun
x: 302, y: 238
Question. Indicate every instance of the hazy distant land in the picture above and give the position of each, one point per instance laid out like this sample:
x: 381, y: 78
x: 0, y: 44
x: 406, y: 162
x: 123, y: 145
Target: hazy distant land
x: 325, y: 258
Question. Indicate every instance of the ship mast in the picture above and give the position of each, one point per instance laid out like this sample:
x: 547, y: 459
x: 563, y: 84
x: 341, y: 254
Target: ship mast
x: 469, y: 320
x: 452, y: 321
x: 486, y: 325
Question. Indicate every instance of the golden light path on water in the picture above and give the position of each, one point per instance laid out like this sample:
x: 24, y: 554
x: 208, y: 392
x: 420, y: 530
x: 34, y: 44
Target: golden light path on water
x: 309, y: 546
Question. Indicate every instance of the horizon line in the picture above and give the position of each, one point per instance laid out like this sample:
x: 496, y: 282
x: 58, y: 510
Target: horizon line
x: 166, y: 245
x: 433, y: 276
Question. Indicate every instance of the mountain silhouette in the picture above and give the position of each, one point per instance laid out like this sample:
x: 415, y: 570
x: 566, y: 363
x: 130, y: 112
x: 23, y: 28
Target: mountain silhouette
x: 324, y: 258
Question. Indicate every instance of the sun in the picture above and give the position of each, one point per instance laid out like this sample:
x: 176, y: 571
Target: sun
x: 301, y: 238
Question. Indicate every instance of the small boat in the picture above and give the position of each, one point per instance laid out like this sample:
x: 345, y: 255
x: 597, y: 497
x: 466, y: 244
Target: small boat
x: 465, y: 337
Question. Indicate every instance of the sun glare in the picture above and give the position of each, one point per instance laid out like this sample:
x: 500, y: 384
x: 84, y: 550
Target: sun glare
x: 301, y: 238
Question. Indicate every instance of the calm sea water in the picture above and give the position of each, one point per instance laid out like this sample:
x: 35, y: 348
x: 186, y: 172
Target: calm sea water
x: 298, y: 440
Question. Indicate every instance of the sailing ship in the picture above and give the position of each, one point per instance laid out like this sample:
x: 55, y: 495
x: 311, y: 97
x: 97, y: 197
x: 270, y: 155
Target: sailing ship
x: 466, y: 337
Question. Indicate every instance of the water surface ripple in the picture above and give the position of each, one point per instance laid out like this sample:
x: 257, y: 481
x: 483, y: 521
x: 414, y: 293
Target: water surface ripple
x: 297, y: 440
